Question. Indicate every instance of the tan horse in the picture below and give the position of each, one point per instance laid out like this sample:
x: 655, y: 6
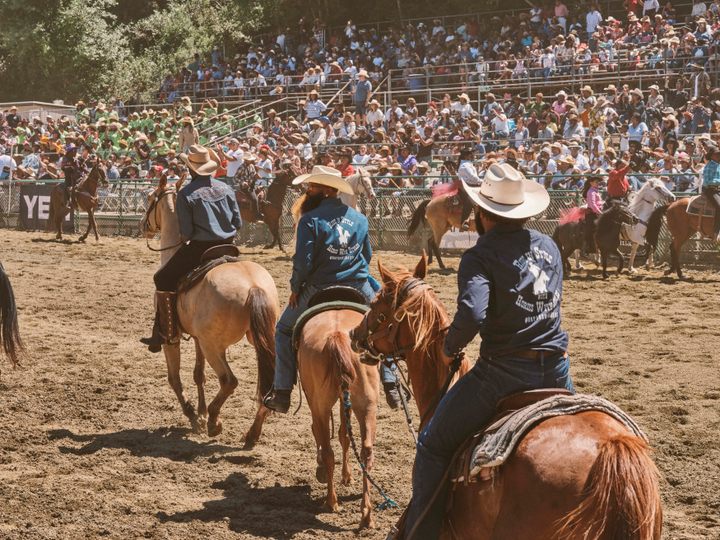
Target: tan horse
x: 327, y: 365
x: 10, y: 342
x: 682, y: 226
x: 234, y: 300
x: 579, y: 476
x: 85, y: 200
x: 441, y: 216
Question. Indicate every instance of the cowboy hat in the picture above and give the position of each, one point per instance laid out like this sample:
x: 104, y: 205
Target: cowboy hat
x: 464, y: 96
x: 325, y: 176
x: 203, y: 161
x: 362, y: 73
x: 507, y: 193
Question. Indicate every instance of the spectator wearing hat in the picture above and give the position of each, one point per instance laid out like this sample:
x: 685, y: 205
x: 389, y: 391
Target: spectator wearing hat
x: 374, y: 116
x: 699, y: 81
x: 264, y: 166
x: 361, y: 94
x: 189, y: 135
x: 233, y: 155
x: 314, y: 108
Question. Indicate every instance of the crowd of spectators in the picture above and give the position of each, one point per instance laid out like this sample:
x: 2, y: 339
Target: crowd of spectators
x: 558, y: 139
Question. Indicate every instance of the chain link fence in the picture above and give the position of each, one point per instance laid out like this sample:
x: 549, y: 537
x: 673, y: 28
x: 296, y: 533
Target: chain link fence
x: 123, y: 203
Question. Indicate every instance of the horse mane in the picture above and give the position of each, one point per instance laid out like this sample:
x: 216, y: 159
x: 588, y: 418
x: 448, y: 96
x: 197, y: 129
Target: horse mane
x: 425, y: 314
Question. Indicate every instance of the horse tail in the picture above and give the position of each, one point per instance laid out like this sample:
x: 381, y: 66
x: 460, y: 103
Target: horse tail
x: 654, y: 224
x: 262, y: 329
x: 621, y: 495
x: 556, y: 238
x: 338, y: 349
x: 9, y: 332
x: 418, y: 217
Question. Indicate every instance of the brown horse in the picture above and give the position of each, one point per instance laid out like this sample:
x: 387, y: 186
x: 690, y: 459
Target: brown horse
x: 579, y: 476
x: 327, y: 366
x: 85, y: 200
x: 232, y: 301
x: 682, y: 226
x: 271, y: 207
x: 442, y: 214
x: 10, y: 342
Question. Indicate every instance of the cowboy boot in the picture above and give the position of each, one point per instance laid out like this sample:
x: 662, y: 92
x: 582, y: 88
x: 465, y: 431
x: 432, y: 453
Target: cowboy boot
x: 392, y: 394
x: 278, y: 400
x: 166, y: 330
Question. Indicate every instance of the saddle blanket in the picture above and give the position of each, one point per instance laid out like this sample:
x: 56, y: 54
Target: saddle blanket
x: 499, y: 440
x: 699, y: 206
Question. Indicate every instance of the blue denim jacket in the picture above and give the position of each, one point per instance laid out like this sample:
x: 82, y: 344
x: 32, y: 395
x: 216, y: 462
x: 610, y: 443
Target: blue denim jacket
x: 510, y: 290
x: 207, y: 210
x: 333, y: 246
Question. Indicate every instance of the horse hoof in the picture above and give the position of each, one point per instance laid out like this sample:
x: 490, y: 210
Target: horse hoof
x: 250, y: 440
x: 214, y: 428
x: 367, y: 522
x: 346, y: 479
x: 321, y: 474
x: 333, y: 507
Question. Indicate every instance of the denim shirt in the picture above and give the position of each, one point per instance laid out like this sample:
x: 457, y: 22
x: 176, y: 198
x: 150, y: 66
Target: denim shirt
x: 510, y: 290
x: 333, y: 246
x: 711, y: 174
x: 207, y: 211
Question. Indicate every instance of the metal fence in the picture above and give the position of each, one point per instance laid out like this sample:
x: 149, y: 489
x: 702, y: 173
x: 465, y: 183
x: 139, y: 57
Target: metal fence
x: 123, y: 204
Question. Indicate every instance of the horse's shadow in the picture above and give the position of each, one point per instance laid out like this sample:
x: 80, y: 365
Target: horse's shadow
x: 272, y: 512
x: 66, y: 241
x: 169, y: 443
x: 442, y: 271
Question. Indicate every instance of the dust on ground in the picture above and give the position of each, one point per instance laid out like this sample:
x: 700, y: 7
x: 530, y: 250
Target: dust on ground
x: 94, y: 443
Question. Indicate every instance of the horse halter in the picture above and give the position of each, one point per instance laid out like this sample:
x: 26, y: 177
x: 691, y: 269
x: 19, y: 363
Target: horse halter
x: 384, y: 326
x: 153, y: 208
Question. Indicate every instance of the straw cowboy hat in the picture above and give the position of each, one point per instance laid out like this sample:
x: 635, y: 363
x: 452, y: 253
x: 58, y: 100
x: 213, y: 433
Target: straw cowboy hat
x: 506, y: 192
x: 325, y: 176
x: 203, y: 161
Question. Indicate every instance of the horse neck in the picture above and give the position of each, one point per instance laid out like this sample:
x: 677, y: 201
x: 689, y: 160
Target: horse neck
x: 427, y: 371
x: 170, y: 231
x: 641, y: 206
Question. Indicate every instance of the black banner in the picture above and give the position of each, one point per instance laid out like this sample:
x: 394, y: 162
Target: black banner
x: 35, y: 207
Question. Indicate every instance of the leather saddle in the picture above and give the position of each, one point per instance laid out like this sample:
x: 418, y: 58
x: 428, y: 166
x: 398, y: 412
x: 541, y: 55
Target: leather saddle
x: 700, y: 206
x: 506, y: 406
x: 214, y: 256
x: 329, y: 299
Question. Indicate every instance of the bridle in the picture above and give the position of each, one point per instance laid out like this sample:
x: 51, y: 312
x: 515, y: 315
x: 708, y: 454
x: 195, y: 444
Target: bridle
x: 388, y: 327
x: 153, y: 208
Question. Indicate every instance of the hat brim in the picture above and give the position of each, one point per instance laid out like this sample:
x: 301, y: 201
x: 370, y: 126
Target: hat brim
x: 325, y: 180
x: 203, y: 169
x: 536, y: 200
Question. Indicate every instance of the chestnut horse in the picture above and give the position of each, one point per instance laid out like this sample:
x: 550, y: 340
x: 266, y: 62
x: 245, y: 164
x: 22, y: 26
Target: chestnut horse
x: 10, y: 342
x: 232, y: 301
x: 327, y: 366
x: 85, y: 199
x: 682, y: 226
x: 579, y: 476
x: 441, y: 216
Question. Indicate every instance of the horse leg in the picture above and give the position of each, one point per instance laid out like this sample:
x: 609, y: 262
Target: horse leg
x: 603, y: 261
x: 431, y: 251
x: 578, y: 266
x: 365, y: 414
x: 621, y: 261
x: 649, y: 262
x: 199, y: 377
x: 217, y: 359
x: 325, y: 456
x: 94, y: 224
x: 631, y: 262
x: 675, y: 248
x: 345, y: 443
x: 172, y: 358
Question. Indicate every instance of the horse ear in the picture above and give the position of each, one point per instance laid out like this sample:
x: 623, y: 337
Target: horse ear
x: 385, y: 275
x: 179, y: 183
x: 162, y: 182
x: 421, y: 268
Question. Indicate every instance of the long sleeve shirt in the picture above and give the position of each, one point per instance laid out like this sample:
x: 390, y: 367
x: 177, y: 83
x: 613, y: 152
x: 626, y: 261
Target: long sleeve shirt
x: 510, y: 291
x: 711, y: 174
x: 618, y: 184
x: 207, y: 210
x: 333, y: 246
x: 594, y: 201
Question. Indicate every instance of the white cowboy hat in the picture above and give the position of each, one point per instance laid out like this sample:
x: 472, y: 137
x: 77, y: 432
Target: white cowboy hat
x: 203, y: 161
x: 507, y: 193
x: 325, y: 176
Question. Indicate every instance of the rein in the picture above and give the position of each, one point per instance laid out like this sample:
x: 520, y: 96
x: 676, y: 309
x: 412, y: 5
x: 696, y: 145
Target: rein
x: 154, y: 209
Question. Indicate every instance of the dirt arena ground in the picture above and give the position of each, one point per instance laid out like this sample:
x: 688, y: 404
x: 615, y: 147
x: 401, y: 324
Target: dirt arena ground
x: 94, y: 443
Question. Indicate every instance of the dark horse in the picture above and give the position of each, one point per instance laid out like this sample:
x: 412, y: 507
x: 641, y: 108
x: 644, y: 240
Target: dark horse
x: 85, y: 199
x: 271, y: 207
x: 569, y: 236
x: 10, y: 342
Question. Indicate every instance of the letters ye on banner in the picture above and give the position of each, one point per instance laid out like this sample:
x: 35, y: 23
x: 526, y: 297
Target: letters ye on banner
x: 35, y: 208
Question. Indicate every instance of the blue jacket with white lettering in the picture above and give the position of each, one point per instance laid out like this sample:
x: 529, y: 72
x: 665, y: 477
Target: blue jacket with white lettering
x: 510, y: 290
x: 333, y: 246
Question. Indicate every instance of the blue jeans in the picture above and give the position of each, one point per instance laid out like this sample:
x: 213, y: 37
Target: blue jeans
x: 465, y: 410
x: 285, y: 360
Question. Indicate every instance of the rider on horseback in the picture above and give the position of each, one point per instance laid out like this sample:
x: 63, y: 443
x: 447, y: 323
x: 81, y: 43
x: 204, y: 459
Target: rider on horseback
x: 245, y: 178
x: 594, y: 208
x: 711, y: 184
x: 208, y: 216
x: 73, y: 168
x: 332, y: 248
x: 510, y: 293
